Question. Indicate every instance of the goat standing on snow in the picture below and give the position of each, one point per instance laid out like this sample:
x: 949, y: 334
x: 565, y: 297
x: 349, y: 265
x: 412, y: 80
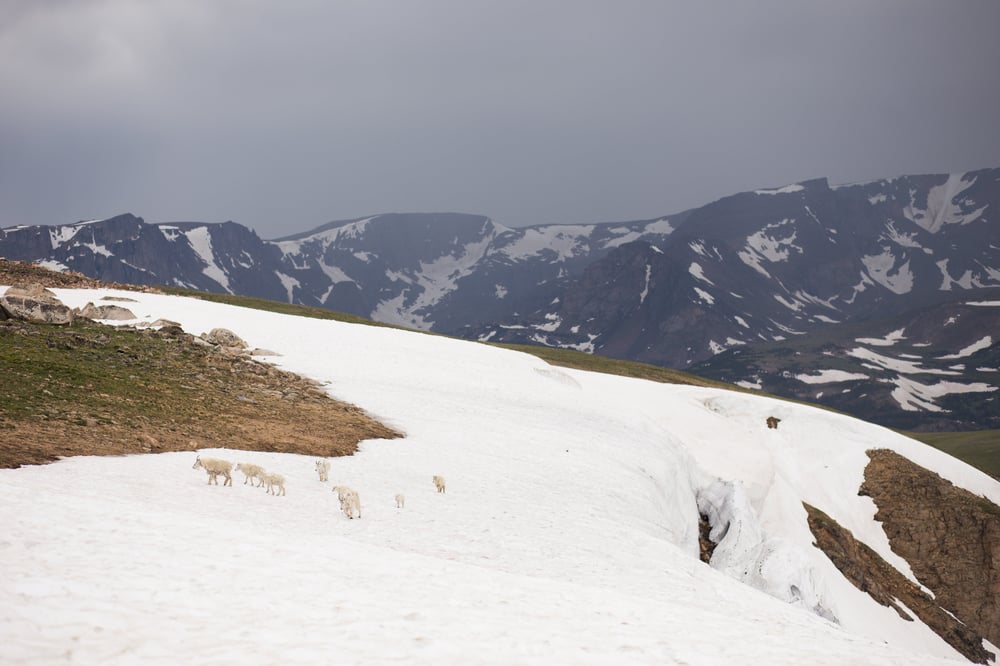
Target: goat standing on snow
x: 350, y: 502
x: 275, y: 482
x: 323, y: 468
x: 214, y: 467
x: 251, y: 471
x: 400, y: 500
x: 439, y: 483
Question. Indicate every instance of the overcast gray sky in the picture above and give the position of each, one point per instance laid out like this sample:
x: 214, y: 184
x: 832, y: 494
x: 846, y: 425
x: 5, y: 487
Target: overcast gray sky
x: 285, y: 115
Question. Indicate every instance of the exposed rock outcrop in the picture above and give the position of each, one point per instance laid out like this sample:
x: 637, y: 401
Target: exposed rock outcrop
x: 950, y: 537
x: 109, y: 312
x: 35, y: 304
x: 223, y: 337
x: 867, y: 571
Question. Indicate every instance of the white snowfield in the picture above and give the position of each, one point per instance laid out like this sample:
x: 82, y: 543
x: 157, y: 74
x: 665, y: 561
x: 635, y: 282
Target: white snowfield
x: 568, y: 534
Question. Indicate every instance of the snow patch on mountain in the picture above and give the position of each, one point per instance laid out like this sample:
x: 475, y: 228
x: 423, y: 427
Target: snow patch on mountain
x: 895, y: 364
x: 660, y: 227
x: 787, y: 189
x: 883, y: 270
x: 888, y: 341
x: 645, y: 286
x: 967, y: 280
x: 830, y: 377
x: 914, y: 396
x: 901, y: 238
x: 698, y: 273
x: 762, y: 246
x: 941, y: 208
x: 289, y: 283
x: 201, y: 242
x: 704, y: 296
x: 565, y: 241
x: 978, y: 345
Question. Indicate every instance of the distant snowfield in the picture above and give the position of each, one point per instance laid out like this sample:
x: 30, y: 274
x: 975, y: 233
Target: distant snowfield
x: 568, y: 533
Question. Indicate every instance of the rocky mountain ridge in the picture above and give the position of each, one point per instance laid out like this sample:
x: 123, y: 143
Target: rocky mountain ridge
x: 756, y: 267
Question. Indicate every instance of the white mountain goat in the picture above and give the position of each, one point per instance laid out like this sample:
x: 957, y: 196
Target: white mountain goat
x: 400, y: 501
x: 323, y: 468
x: 251, y: 471
x: 275, y: 482
x: 214, y: 467
x: 439, y: 483
x: 342, y: 493
x: 351, y: 504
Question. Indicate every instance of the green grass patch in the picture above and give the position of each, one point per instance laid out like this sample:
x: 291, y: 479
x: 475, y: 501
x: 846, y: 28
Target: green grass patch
x: 979, y: 448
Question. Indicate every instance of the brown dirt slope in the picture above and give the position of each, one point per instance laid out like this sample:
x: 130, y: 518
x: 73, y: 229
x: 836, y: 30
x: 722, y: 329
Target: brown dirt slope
x: 89, y: 389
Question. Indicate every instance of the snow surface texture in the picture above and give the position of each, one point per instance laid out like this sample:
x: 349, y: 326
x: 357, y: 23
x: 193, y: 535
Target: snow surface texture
x: 568, y: 533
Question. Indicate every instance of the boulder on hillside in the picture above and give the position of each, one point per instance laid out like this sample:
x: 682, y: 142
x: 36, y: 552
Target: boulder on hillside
x: 111, y: 312
x: 223, y: 337
x: 35, y: 304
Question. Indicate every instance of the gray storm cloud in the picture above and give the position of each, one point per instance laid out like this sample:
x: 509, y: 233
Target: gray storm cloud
x: 283, y: 116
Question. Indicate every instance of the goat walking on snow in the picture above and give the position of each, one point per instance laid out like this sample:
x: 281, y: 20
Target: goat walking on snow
x: 350, y: 502
x: 400, y: 501
x: 275, y: 482
x: 214, y: 467
x: 251, y: 471
x: 439, y: 483
x: 323, y: 468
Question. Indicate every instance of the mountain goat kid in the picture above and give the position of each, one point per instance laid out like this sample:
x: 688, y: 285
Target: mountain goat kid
x: 323, y: 468
x: 214, y: 467
x: 439, y: 483
x: 251, y: 471
x: 275, y: 482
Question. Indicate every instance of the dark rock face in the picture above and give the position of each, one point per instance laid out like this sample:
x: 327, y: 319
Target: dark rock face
x: 950, y: 537
x: 867, y: 571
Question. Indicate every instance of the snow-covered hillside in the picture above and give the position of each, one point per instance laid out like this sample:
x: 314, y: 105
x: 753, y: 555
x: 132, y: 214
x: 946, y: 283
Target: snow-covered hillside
x: 568, y: 533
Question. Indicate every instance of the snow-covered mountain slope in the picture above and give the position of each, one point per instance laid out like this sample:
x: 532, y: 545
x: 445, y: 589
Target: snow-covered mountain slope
x: 568, y: 532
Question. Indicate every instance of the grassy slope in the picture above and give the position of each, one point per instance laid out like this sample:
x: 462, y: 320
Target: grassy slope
x: 980, y: 448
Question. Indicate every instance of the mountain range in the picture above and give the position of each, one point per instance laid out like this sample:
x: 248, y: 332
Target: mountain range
x: 878, y: 298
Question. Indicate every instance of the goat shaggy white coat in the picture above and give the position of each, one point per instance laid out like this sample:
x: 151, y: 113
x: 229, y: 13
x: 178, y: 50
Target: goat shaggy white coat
x: 275, y: 483
x: 400, y: 501
x: 439, y: 483
x: 251, y: 471
x: 351, y: 504
x: 323, y: 469
x: 350, y: 501
x: 214, y: 467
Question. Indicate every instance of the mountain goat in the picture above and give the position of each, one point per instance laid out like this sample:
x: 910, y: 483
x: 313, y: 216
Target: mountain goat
x: 214, y: 467
x: 275, y: 482
x: 400, y: 501
x: 251, y: 471
x: 439, y: 483
x: 351, y: 504
x: 323, y: 468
